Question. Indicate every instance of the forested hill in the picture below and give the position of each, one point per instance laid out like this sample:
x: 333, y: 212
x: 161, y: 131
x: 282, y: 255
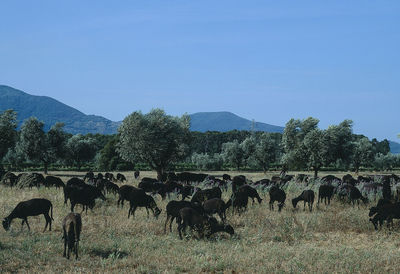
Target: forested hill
x: 226, y: 121
x: 50, y: 111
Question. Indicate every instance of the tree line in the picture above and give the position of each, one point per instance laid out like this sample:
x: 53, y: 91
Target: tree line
x: 162, y: 142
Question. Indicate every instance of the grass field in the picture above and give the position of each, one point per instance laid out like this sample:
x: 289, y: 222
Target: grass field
x: 338, y: 238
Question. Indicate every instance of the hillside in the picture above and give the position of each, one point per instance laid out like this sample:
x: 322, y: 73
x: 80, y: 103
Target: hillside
x: 226, y: 121
x: 394, y: 147
x: 51, y: 111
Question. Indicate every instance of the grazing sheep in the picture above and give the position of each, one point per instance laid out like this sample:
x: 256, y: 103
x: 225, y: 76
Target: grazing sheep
x: 201, y: 224
x: 387, y: 212
x: 33, y: 207
x: 111, y: 187
x: 276, y: 194
x: 373, y: 210
x: 124, y: 192
x: 355, y: 195
x: 325, y: 192
x: 307, y: 196
x: 173, y: 208
x: 53, y: 181
x: 85, y: 196
x: 121, y: 177
x: 139, y: 198
x: 137, y: 174
x: 237, y: 182
x: 215, y: 206
x: 75, y: 182
x: 226, y: 177
x: 9, y: 179
x: 72, y: 226
x: 206, y: 194
x: 238, y: 201
x: 109, y: 176
x: 250, y: 192
x: 89, y: 176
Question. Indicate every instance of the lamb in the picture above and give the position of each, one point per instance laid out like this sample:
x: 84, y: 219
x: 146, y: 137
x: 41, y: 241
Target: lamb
x: 173, y: 208
x: 202, y: 224
x: 325, y: 192
x: 72, y: 226
x: 33, y: 207
x: 307, y: 196
x: 139, y: 198
x: 276, y: 194
x: 250, y: 192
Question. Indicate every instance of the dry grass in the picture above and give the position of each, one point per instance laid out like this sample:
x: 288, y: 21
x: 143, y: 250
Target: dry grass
x: 338, y: 238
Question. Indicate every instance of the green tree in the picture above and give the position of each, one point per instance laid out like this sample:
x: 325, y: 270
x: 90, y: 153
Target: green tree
x: 154, y: 138
x: 315, y: 149
x: 295, y: 154
x: 32, y: 142
x: 233, y: 154
x: 362, y: 154
x: 204, y: 161
x: 339, y: 140
x: 8, y: 133
x: 80, y: 149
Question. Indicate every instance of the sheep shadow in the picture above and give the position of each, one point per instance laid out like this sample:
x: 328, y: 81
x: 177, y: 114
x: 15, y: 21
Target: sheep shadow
x: 108, y: 253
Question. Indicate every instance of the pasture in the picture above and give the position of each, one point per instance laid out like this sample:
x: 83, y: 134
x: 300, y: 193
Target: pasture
x: 335, y: 238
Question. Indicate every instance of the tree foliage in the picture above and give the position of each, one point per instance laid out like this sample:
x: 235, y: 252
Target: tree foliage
x: 8, y: 133
x: 154, y: 138
x: 80, y: 149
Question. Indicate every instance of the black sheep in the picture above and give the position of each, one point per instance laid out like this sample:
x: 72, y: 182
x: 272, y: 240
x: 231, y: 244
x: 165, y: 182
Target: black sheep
x: 54, y: 181
x: 33, y: 207
x: 355, y: 195
x: 238, y: 201
x: 173, y: 208
x: 307, y: 196
x: 215, y: 206
x: 121, y: 177
x: 251, y: 192
x: 276, y: 194
x: 84, y: 195
x: 139, y: 198
x: 137, y: 174
x: 124, y: 192
x: 203, y: 195
x: 200, y: 223
x: 325, y: 192
x: 387, y: 212
x: 72, y: 226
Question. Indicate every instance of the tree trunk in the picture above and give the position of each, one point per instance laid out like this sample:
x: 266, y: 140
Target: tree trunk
x: 45, y: 167
x: 315, y: 172
x: 160, y: 173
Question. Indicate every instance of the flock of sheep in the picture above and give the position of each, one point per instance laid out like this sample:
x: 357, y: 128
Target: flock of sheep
x: 204, y: 203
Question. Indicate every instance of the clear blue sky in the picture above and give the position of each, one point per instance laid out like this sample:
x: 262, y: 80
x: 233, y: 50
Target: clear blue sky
x: 263, y: 60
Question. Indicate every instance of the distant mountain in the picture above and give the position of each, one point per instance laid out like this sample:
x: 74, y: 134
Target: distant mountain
x: 394, y: 147
x: 50, y: 111
x: 226, y: 121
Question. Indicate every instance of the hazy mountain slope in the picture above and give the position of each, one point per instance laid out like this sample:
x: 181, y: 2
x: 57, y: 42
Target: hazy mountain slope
x: 51, y: 111
x: 226, y: 121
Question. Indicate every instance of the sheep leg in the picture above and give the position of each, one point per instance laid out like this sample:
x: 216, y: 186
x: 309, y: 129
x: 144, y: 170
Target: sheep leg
x: 48, y: 221
x: 180, y: 228
x: 26, y: 221
x: 304, y: 205
x: 65, y: 243
x: 76, y: 249
x: 147, y: 210
x: 166, y: 222
x: 170, y: 223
